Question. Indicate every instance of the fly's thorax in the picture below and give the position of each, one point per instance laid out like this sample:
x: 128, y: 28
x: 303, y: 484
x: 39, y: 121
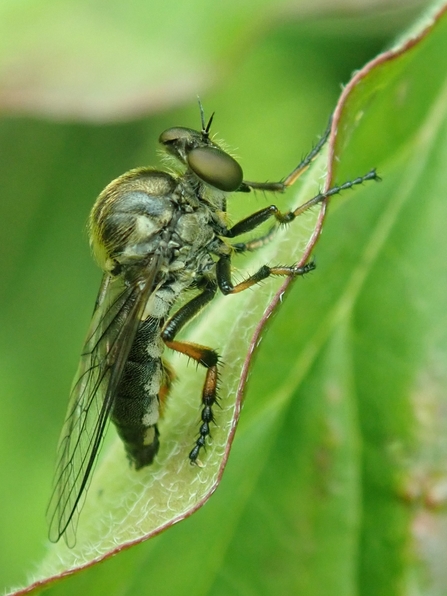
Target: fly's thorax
x: 130, y: 213
x: 199, y: 219
x: 199, y: 194
x: 194, y: 229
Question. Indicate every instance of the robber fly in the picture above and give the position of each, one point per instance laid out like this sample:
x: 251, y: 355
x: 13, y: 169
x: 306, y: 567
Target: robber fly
x: 157, y: 235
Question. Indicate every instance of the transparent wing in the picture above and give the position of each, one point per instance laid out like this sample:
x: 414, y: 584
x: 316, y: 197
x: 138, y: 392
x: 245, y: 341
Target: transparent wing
x: 118, y: 312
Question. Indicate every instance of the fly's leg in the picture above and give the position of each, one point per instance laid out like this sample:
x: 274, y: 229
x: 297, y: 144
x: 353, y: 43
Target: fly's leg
x: 255, y: 243
x: 251, y: 222
x: 256, y: 219
x: 298, y: 171
x: 203, y: 355
x: 223, y: 272
x: 166, y: 384
x: 223, y: 267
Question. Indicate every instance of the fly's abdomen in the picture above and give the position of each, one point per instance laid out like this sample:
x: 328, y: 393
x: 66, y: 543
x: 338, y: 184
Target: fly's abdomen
x: 136, y: 408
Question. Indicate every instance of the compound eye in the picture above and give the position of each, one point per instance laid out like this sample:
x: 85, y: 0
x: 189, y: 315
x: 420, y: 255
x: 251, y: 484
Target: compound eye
x: 216, y: 168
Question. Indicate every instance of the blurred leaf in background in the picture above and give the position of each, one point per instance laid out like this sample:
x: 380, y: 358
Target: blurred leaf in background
x: 338, y: 465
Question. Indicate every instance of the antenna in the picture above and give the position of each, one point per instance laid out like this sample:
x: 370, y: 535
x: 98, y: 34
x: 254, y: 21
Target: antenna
x: 205, y: 128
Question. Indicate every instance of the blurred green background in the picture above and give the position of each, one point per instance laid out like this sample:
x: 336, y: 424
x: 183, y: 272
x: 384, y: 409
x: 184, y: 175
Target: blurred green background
x: 86, y: 89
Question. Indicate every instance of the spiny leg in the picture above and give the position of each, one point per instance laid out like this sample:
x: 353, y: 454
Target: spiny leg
x: 256, y: 219
x: 209, y: 359
x: 203, y: 355
x: 255, y: 243
x: 252, y: 221
x: 296, y: 172
x: 223, y: 272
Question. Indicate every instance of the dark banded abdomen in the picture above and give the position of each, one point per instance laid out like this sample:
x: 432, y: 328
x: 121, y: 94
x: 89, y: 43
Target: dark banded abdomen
x: 136, y: 409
